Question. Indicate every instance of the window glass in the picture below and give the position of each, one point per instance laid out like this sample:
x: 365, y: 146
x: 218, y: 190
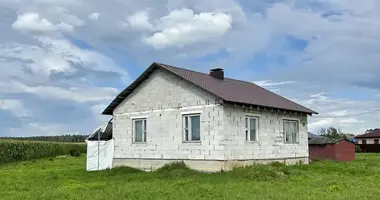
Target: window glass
x: 251, y: 128
x: 192, y: 124
x: 195, y: 128
x: 290, y: 131
x: 138, y: 131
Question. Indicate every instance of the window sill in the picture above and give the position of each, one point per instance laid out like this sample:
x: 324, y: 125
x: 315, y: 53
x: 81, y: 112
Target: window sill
x: 191, y: 142
x: 291, y: 143
x: 251, y: 142
x: 139, y: 143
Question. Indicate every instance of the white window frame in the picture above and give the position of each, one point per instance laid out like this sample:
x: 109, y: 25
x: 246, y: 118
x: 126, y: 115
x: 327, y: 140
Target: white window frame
x: 144, y: 127
x: 188, y: 129
x: 297, y: 134
x: 247, y: 130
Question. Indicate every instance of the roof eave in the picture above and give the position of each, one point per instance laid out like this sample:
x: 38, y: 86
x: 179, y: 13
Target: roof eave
x: 310, y: 112
x: 364, y: 137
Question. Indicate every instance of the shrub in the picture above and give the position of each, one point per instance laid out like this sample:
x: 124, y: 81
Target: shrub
x: 357, y: 149
x: 173, y: 166
x: 74, y: 152
x: 11, y: 150
x: 175, y: 170
x: 277, y: 164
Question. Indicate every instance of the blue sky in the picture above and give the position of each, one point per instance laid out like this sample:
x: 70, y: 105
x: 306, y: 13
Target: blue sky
x: 63, y: 61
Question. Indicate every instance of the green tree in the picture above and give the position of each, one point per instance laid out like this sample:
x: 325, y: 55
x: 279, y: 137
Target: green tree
x: 332, y: 132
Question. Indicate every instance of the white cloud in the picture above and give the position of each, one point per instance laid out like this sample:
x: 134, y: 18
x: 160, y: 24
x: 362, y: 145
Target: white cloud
x: 140, y: 20
x: 340, y: 113
x: 60, y: 2
x: 79, y: 94
x: 53, y: 55
x: 341, y: 47
x: 97, y: 110
x: 33, y: 22
x: 346, y: 124
x: 273, y: 86
x: 182, y: 27
x: 63, y: 14
x: 15, y: 106
x: 94, y: 16
x: 270, y: 83
x: 63, y: 26
x: 316, y: 126
x: 88, y: 58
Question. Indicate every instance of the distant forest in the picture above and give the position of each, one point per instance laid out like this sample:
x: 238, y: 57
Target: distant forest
x: 59, y: 138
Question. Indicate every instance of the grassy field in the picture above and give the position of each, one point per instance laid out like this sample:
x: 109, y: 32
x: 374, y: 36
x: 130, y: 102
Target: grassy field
x: 65, y: 178
x: 19, y: 150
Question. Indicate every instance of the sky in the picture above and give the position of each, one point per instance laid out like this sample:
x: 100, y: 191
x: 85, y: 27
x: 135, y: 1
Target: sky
x: 62, y: 62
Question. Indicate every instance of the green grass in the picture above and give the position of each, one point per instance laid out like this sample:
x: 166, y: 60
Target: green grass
x: 66, y: 178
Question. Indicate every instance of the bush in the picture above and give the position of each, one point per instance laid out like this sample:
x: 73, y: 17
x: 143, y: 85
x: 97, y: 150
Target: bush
x: 173, y: 166
x: 11, y: 150
x: 357, y: 149
x: 175, y: 170
x: 74, y: 152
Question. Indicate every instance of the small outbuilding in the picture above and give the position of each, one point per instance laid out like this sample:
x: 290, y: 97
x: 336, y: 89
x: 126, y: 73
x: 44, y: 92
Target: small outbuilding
x: 331, y: 149
x: 100, y: 148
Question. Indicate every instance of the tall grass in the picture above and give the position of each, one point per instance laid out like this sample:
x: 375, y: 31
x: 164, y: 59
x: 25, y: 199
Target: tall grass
x: 11, y: 150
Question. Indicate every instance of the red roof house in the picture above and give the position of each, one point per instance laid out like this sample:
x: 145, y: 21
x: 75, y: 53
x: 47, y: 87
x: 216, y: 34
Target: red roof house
x: 369, y: 141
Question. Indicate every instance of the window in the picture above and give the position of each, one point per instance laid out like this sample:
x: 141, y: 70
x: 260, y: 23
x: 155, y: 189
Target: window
x: 191, y: 128
x: 251, y: 125
x: 139, y: 130
x: 364, y: 141
x: 376, y: 141
x: 291, y: 131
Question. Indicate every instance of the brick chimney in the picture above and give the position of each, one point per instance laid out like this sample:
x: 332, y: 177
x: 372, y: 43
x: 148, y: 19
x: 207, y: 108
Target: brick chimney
x: 217, y: 73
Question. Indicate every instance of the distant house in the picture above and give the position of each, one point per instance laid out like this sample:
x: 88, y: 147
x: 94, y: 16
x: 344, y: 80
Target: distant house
x: 331, y: 149
x: 369, y: 141
x: 206, y: 120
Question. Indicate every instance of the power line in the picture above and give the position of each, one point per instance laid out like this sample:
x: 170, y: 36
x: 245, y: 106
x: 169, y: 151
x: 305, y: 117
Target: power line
x: 344, y: 116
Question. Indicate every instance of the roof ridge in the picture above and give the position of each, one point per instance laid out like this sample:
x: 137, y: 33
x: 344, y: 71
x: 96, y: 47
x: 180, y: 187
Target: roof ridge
x: 163, y: 65
x: 208, y: 74
x: 202, y: 72
x: 262, y: 88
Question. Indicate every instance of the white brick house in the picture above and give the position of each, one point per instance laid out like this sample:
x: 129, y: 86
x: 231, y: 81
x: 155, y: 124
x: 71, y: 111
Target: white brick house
x: 208, y: 121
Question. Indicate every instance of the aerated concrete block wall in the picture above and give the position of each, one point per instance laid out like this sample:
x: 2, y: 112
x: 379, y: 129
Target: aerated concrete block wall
x: 270, y: 142
x: 164, y: 98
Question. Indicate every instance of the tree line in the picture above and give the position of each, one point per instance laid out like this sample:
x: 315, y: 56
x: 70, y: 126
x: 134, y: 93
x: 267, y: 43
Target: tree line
x: 58, y: 138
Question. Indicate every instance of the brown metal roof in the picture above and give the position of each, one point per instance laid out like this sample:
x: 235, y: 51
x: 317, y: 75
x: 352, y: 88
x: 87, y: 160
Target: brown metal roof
x: 324, y: 141
x: 230, y: 90
x: 370, y: 134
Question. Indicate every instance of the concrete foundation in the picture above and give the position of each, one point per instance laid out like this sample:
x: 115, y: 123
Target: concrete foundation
x: 203, y: 165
